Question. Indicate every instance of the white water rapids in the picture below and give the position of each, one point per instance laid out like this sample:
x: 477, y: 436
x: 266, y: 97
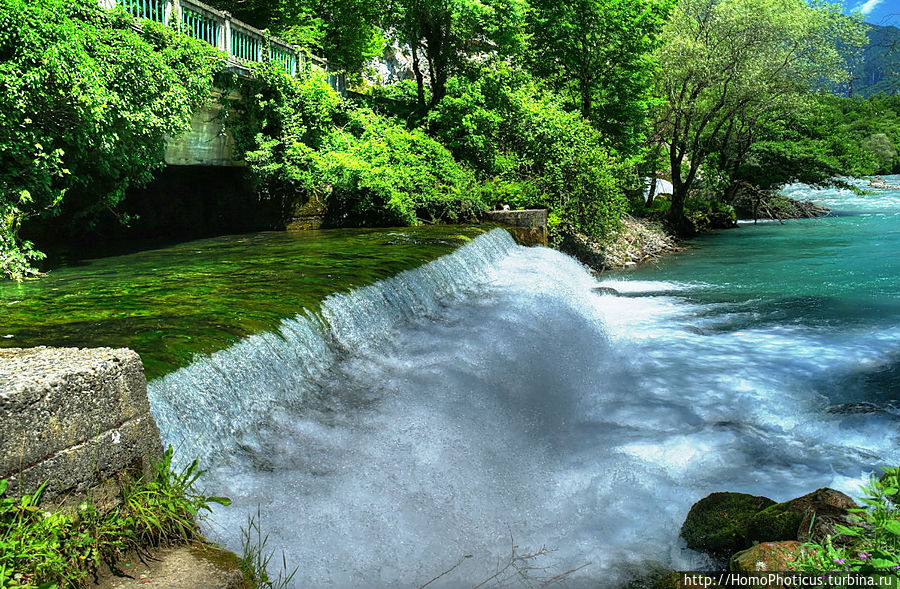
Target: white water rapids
x: 494, y: 392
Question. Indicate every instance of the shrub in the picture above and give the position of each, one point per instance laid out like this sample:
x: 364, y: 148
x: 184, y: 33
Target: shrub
x: 300, y: 139
x: 874, y: 544
x: 384, y: 174
x: 506, y: 128
x: 85, y: 104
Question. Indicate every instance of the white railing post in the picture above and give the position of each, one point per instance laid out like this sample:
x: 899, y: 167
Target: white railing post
x: 225, y: 40
x: 173, y: 12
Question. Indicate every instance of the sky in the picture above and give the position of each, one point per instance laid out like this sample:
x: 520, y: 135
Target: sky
x: 878, y: 12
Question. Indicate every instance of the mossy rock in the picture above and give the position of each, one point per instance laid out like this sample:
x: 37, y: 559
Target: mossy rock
x: 783, y: 521
x: 766, y: 557
x: 775, y: 523
x: 718, y: 523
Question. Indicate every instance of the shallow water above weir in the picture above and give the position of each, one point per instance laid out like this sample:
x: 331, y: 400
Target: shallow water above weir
x: 200, y: 296
x: 497, y: 393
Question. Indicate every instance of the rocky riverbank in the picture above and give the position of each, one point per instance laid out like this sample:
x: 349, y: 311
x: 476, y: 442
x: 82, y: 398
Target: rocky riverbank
x: 641, y: 240
x: 638, y: 240
x: 881, y: 184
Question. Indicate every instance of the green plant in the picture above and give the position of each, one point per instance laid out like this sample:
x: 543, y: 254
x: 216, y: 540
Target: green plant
x: 300, y: 139
x: 44, y: 549
x: 503, y: 125
x: 163, y: 507
x: 85, y: 103
x: 255, y: 558
x: 872, y: 544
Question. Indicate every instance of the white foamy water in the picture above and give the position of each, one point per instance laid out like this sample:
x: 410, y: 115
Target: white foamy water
x: 498, y: 392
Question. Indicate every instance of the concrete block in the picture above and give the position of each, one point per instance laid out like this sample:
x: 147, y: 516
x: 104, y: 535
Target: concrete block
x: 529, y: 226
x: 72, y: 417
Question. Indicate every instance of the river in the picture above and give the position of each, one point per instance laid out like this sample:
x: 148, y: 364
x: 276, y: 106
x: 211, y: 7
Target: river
x: 502, y: 394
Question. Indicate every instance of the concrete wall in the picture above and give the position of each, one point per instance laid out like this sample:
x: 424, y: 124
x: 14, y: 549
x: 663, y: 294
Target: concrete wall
x: 529, y: 226
x: 72, y: 417
x: 206, y: 144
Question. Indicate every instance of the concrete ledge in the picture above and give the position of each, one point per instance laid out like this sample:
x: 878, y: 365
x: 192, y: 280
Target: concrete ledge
x: 72, y: 417
x: 529, y: 226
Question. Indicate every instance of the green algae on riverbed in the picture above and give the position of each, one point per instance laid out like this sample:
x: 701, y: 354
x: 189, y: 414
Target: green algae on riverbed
x: 201, y: 296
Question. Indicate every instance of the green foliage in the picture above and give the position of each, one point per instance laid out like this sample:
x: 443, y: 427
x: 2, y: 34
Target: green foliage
x: 301, y: 140
x: 16, y: 255
x: 598, y: 54
x: 384, y: 174
x: 874, y: 542
x: 344, y: 31
x: 531, y: 150
x: 452, y: 34
x: 709, y: 214
x: 85, y: 104
x: 280, y: 122
x: 869, y: 132
x: 730, y: 66
x: 42, y: 549
x: 762, y: 155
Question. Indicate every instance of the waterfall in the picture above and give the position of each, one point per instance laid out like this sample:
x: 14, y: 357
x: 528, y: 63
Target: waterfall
x: 221, y: 400
x: 497, y: 396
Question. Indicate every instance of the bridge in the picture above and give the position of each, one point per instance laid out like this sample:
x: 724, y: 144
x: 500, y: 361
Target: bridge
x: 207, y: 144
x: 242, y: 43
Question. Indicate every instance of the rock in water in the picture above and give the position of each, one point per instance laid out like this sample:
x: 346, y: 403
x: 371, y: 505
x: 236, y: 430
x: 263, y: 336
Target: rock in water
x: 718, y: 523
x: 605, y: 290
x: 768, y: 556
x: 783, y: 521
x: 856, y: 408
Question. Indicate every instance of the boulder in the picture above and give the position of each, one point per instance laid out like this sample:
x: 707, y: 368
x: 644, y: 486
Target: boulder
x: 784, y: 521
x: 823, y: 521
x: 768, y: 556
x: 718, y: 523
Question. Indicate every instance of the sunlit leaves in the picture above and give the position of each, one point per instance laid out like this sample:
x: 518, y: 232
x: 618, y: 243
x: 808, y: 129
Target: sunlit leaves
x: 85, y: 105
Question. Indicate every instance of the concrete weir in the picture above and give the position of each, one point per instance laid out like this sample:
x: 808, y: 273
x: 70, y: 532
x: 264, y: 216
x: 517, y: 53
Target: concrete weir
x: 528, y: 225
x: 73, y: 419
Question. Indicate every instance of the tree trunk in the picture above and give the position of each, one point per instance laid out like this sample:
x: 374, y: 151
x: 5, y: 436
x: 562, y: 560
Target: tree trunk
x: 438, y: 86
x: 676, y: 211
x: 420, y: 80
x: 586, y: 98
x: 651, y: 194
x: 675, y: 216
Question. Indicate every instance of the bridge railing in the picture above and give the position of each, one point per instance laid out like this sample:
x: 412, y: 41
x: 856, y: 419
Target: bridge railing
x: 242, y: 42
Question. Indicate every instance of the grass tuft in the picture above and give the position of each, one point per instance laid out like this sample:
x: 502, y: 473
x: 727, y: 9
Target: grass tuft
x: 40, y: 549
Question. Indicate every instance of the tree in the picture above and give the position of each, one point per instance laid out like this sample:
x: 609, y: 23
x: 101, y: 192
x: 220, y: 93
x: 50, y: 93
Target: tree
x: 598, y: 53
x: 452, y: 33
x: 730, y: 64
x: 531, y: 150
x: 85, y: 105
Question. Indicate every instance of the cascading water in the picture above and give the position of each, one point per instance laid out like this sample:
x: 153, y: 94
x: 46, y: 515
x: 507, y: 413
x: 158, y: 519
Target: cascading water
x: 498, y: 393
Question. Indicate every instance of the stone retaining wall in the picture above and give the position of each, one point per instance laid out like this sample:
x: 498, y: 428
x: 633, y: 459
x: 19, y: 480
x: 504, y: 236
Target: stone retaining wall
x: 73, y: 418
